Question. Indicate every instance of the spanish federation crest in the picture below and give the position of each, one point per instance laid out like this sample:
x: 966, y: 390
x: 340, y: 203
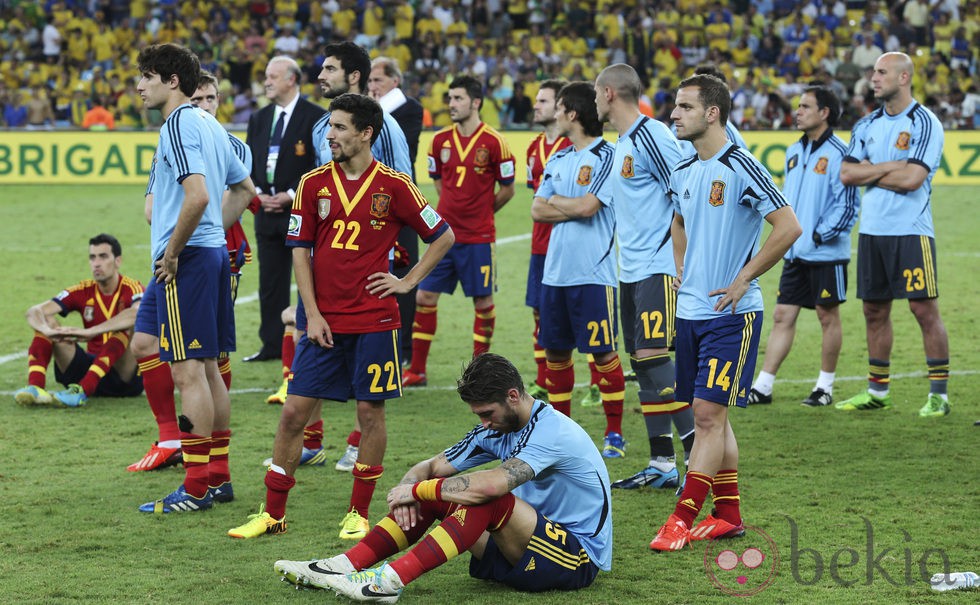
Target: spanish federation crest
x: 584, y: 175
x: 444, y: 153
x: 627, y: 171
x: 717, y: 196
x: 88, y: 313
x: 380, y: 203
x: 482, y: 157
x: 821, y: 167
x: 904, y: 138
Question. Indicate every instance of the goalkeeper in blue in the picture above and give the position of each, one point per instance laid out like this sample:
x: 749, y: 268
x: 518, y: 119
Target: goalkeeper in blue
x: 541, y: 520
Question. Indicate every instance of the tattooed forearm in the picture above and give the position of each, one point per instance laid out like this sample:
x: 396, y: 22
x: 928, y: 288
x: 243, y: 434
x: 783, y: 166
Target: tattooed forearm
x: 456, y: 485
x: 518, y: 472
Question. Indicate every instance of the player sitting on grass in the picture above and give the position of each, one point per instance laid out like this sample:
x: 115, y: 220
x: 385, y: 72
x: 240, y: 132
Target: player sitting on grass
x: 107, y: 366
x: 540, y: 521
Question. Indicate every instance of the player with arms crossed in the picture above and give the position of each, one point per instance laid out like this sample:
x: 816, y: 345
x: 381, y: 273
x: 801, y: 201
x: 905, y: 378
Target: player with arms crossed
x: 187, y: 308
x: 815, y: 268
x: 646, y: 152
x: 106, y: 367
x: 539, y: 151
x: 894, y: 153
x: 466, y: 162
x: 578, y: 295
x: 720, y: 196
x: 541, y: 520
x: 349, y: 212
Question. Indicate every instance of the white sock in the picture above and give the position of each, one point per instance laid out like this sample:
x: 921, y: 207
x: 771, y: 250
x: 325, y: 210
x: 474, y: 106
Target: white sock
x: 277, y: 469
x: 172, y: 443
x: 763, y: 383
x: 389, y: 579
x: 663, y: 463
x: 877, y: 393
x: 825, y: 382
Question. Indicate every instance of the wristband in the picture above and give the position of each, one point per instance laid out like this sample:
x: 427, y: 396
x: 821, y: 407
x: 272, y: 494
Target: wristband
x: 428, y: 491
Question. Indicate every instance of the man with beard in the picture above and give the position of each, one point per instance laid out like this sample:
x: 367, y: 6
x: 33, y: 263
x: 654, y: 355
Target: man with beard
x: 541, y: 520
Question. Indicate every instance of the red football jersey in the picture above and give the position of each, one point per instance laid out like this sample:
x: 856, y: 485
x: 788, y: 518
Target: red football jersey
x: 351, y: 226
x: 469, y: 168
x: 538, y: 154
x: 95, y: 307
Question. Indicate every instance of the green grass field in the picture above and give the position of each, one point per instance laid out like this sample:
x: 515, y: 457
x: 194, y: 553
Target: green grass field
x: 857, y: 506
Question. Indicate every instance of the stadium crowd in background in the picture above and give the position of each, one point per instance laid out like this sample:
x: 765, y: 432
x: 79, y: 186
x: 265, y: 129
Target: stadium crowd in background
x: 73, y: 53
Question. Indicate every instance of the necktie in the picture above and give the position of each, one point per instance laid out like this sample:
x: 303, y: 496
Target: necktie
x: 276, y: 138
x: 274, y: 141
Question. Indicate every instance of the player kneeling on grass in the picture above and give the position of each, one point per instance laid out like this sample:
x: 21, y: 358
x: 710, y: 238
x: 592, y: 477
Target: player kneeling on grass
x: 542, y: 520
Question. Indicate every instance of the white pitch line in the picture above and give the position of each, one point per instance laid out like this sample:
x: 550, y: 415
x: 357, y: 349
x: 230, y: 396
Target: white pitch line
x: 254, y: 297
x: 447, y: 387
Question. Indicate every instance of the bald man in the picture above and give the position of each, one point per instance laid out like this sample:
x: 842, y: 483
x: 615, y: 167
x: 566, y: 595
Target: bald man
x: 646, y: 153
x: 280, y: 136
x: 894, y: 153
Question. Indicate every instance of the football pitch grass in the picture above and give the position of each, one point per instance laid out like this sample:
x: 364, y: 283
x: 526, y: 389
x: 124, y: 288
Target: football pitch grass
x: 844, y: 507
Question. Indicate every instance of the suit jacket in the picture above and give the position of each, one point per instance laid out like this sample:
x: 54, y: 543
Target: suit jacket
x: 296, y: 157
x: 409, y: 117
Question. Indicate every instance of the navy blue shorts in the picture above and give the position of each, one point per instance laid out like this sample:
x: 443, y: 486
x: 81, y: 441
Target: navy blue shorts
x: 111, y: 385
x: 554, y: 560
x: 648, y: 307
x: 582, y: 317
x: 896, y: 266
x: 715, y: 358
x: 364, y: 367
x: 535, y: 271
x: 807, y: 285
x: 301, y: 315
x: 193, y: 315
x: 472, y: 265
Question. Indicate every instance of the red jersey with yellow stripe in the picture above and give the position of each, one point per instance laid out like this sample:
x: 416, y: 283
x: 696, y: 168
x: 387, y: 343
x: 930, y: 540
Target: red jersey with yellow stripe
x: 469, y: 168
x: 95, y: 307
x: 351, y: 224
x: 538, y: 153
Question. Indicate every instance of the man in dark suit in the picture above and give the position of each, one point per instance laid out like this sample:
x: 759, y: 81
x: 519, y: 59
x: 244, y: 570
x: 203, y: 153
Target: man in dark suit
x: 384, y: 84
x: 280, y: 137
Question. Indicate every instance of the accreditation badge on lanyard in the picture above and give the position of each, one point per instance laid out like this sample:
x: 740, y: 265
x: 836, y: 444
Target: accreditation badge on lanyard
x: 270, y: 163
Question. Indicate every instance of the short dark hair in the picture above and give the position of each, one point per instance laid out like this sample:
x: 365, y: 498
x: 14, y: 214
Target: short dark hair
x: 826, y: 99
x: 710, y: 69
x: 487, y: 379
x: 168, y: 60
x: 364, y: 112
x: 555, y: 85
x: 712, y: 92
x: 474, y: 88
x: 352, y: 58
x: 207, y: 78
x: 580, y: 98
x: 105, y: 238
